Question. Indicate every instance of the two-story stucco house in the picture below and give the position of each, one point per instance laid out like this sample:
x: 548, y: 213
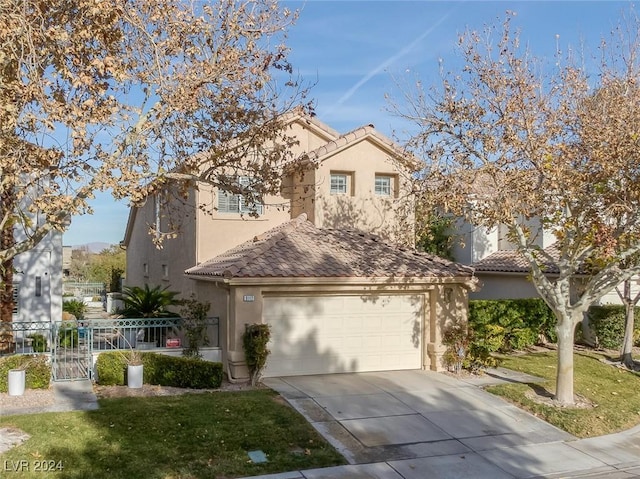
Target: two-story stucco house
x: 328, y: 262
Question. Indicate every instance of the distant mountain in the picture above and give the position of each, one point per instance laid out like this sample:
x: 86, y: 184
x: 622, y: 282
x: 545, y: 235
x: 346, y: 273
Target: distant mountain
x: 95, y: 247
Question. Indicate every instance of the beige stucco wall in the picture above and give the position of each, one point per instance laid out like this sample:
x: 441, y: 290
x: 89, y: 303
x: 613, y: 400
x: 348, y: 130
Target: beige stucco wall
x: 148, y: 264
x: 448, y: 306
x: 391, y: 217
x: 503, y: 286
x: 309, y: 137
x: 218, y: 232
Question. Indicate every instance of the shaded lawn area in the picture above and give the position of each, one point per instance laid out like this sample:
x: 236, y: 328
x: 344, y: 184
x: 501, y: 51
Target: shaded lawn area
x: 187, y: 436
x: 614, y: 392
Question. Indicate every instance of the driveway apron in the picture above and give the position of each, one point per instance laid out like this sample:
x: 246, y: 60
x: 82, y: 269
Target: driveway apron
x: 395, y: 416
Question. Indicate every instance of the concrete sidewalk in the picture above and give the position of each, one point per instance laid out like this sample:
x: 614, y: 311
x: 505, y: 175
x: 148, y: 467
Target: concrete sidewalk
x: 419, y: 424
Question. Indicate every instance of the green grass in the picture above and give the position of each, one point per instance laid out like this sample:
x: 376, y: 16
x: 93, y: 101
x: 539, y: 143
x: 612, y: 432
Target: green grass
x: 614, y: 391
x: 188, y: 436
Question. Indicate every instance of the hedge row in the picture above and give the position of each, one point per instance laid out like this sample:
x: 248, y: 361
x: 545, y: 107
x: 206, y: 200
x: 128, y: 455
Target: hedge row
x: 608, y: 323
x: 161, y: 370
x: 510, y: 324
x: 38, y: 371
x: 514, y: 324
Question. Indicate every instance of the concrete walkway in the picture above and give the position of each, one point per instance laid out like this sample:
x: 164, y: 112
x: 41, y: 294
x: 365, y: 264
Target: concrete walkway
x: 419, y: 424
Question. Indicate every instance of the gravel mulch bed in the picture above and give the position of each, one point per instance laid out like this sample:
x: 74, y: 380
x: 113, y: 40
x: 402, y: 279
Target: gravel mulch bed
x: 149, y: 390
x: 32, y: 398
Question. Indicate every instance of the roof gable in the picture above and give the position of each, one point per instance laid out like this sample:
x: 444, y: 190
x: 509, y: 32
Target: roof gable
x: 352, y: 138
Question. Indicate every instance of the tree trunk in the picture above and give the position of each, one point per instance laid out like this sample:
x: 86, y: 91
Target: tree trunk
x: 6, y: 270
x: 564, y: 376
x: 7, y: 240
x: 626, y: 357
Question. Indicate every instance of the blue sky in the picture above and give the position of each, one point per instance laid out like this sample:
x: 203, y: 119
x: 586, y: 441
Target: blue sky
x: 352, y: 50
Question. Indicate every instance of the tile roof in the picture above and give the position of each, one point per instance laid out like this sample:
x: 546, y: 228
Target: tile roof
x: 297, y: 249
x: 511, y: 261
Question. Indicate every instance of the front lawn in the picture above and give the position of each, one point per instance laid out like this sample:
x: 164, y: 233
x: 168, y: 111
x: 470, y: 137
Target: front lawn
x: 187, y: 436
x: 612, y: 391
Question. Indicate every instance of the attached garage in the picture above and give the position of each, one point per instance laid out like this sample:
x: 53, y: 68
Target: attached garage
x: 336, y: 301
x: 343, y: 333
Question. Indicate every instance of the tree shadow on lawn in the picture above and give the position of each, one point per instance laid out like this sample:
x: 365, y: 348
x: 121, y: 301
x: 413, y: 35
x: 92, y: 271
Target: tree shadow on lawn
x: 199, y: 435
x: 612, y: 358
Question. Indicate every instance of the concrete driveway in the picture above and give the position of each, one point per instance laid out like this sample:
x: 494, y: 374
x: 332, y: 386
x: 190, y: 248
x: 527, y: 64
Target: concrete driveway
x: 416, y: 424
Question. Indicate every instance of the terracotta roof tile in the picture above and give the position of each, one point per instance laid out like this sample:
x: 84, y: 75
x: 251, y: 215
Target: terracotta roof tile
x: 511, y: 261
x: 297, y: 249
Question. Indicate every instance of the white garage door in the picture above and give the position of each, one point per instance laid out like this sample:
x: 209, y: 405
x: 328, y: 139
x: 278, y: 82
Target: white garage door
x: 327, y: 334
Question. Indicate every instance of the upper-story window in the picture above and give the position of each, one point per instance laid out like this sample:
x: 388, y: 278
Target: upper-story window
x: 386, y: 184
x: 341, y: 183
x: 383, y: 185
x: 338, y: 184
x: 229, y: 202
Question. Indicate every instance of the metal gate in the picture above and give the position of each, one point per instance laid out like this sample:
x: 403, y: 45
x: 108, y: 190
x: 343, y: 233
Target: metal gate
x: 71, y: 351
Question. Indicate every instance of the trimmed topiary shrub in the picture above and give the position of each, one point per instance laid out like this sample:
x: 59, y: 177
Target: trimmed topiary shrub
x: 511, y: 324
x: 38, y: 371
x: 607, y: 323
x: 182, y: 372
x: 254, y: 342
x: 110, y: 368
x: 161, y: 370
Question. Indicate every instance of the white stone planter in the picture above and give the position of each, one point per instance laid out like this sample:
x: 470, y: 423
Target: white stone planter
x: 135, y: 375
x: 17, y: 379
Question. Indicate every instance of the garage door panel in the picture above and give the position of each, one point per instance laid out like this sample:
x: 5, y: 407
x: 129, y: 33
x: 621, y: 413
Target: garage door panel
x: 324, y: 334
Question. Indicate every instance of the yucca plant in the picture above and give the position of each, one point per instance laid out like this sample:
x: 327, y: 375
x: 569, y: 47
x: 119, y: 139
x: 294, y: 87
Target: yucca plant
x: 148, y: 302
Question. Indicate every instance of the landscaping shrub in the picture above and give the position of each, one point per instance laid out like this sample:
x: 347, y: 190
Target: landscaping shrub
x: 161, y: 370
x: 68, y: 334
x: 38, y: 343
x: 75, y: 307
x: 194, y: 326
x: 254, y: 342
x: 464, y: 351
x: 110, y: 369
x: 510, y: 324
x: 38, y: 371
x: 608, y: 322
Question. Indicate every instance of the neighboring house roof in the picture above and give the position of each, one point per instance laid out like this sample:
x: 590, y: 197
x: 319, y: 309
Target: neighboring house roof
x: 297, y: 249
x: 512, y: 261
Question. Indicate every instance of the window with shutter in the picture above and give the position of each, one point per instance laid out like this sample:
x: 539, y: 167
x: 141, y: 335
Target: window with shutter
x: 233, y: 203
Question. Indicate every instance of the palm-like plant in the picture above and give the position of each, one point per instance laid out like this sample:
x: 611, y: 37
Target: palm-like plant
x: 148, y: 302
